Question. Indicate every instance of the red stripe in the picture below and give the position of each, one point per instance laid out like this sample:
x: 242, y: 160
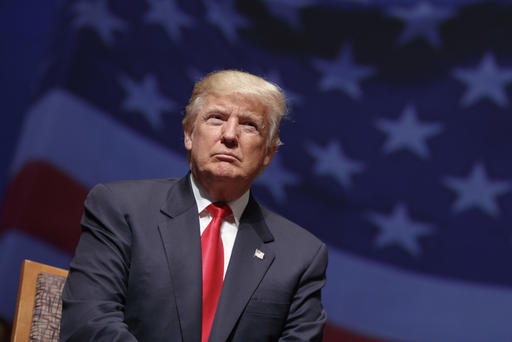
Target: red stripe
x: 335, y: 334
x: 46, y: 203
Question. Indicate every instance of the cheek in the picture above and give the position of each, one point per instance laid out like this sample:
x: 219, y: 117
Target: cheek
x: 258, y: 154
x: 206, y: 135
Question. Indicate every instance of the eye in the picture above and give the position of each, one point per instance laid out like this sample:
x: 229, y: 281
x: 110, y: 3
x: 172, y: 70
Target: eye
x: 215, y: 118
x: 250, y: 126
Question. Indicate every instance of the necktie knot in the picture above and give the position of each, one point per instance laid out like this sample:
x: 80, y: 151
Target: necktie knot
x: 219, y: 209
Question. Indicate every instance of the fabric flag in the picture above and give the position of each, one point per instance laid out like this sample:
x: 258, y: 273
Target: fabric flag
x: 398, y: 137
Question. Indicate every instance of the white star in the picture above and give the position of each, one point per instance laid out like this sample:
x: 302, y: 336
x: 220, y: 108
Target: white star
x: 477, y: 191
x: 408, y: 133
x: 343, y: 73
x: 145, y: 98
x: 95, y: 14
x: 223, y: 15
x: 167, y: 14
x: 287, y: 10
x: 487, y: 80
x: 275, y: 178
x: 421, y: 21
x: 331, y: 160
x: 399, y: 229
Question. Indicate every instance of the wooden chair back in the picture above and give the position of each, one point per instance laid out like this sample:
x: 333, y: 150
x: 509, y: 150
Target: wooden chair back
x: 26, y: 297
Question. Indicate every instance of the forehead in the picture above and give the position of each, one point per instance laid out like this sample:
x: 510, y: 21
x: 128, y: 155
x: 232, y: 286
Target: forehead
x: 242, y: 103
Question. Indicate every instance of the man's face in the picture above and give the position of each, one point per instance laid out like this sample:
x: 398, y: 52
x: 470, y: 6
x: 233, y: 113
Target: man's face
x: 228, y: 142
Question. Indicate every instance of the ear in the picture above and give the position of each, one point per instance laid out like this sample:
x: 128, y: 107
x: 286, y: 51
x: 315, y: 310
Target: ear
x: 188, y: 139
x: 269, y: 155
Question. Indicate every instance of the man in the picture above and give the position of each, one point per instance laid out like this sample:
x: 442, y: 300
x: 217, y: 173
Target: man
x: 151, y: 265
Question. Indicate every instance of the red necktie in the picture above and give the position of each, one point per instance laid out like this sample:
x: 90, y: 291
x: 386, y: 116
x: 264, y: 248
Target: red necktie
x: 212, y: 254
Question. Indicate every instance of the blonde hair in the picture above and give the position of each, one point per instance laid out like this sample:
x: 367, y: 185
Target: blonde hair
x: 230, y: 81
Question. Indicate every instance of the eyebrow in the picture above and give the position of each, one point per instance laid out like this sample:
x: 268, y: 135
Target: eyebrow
x: 215, y: 108
x: 251, y: 115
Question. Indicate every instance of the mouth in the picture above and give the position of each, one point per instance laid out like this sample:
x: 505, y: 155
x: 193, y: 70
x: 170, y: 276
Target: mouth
x: 226, y: 156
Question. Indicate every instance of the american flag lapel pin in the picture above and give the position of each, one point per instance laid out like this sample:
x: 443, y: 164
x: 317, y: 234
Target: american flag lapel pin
x: 259, y: 254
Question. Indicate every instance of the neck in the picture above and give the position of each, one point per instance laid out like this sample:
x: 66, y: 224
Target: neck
x: 222, y: 189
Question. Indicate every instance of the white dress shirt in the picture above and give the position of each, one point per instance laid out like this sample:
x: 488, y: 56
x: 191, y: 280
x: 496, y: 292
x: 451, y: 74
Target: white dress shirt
x: 229, y: 226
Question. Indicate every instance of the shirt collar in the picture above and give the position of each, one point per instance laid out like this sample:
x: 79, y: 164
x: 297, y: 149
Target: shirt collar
x: 203, y: 200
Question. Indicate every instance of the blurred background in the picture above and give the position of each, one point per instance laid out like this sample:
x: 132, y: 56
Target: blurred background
x: 397, y: 147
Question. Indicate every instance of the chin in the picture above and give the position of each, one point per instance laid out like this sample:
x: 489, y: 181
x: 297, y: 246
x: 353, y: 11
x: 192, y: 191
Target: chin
x: 227, y: 175
x: 225, y: 171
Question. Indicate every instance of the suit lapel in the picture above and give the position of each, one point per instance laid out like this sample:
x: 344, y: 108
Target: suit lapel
x: 182, y: 243
x: 245, y: 271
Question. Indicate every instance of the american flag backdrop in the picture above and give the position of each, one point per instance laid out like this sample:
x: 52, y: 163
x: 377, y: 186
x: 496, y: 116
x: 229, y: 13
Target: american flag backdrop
x: 397, y: 149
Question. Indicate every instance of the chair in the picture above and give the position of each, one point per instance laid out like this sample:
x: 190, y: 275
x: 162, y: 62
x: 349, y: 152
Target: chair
x: 39, y: 303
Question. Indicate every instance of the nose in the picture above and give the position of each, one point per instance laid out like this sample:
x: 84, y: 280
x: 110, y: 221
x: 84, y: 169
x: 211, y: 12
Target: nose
x: 230, y: 132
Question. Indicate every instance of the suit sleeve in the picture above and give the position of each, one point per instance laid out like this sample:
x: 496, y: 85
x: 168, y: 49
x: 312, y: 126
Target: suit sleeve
x: 306, y: 318
x: 95, y: 291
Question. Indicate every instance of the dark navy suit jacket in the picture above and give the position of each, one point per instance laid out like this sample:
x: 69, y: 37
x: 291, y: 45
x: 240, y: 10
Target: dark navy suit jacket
x: 136, y: 273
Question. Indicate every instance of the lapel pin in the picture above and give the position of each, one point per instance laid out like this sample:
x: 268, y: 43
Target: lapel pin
x: 259, y: 254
